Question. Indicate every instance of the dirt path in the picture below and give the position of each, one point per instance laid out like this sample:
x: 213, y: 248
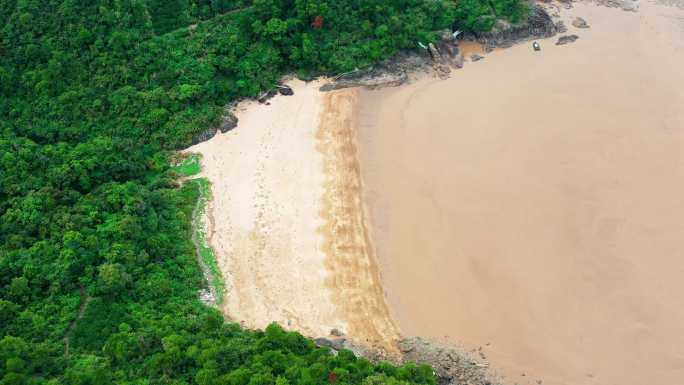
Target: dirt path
x: 85, y: 301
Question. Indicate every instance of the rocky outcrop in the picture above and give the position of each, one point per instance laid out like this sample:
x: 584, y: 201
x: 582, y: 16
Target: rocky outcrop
x: 264, y: 96
x: 204, y: 135
x: 285, y: 90
x: 388, y: 73
x: 451, y: 53
x: 451, y: 366
x: 625, y: 5
x: 369, y: 80
x: 445, y: 54
x: 229, y: 122
x: 504, y: 34
x: 567, y: 39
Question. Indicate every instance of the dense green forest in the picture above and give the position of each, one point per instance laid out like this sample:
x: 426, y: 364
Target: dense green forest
x: 98, y: 277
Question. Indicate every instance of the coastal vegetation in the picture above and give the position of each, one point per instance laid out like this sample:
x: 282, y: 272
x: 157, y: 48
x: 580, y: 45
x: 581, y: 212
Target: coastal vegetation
x: 98, y: 276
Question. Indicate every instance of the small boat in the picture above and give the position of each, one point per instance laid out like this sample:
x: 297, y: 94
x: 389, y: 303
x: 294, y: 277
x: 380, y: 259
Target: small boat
x: 536, y: 46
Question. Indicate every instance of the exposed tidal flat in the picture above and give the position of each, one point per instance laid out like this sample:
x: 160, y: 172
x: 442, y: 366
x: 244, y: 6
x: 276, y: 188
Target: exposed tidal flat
x: 529, y: 208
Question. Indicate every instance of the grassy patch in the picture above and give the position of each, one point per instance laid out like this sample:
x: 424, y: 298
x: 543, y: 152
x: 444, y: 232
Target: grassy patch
x: 189, y: 166
x: 207, y: 257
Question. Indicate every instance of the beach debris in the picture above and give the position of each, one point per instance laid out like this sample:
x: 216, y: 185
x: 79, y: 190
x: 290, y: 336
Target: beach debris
x: 567, y: 39
x: 536, y: 46
x: 476, y: 57
x: 580, y: 23
x: 336, y: 332
x: 423, y: 46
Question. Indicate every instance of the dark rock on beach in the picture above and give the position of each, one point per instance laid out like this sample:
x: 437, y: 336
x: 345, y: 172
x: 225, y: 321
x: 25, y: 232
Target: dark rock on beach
x: 625, y: 5
x: 560, y: 27
x: 580, y: 23
x: 567, y: 39
x: 229, y: 122
x: 323, y: 342
x: 285, y: 90
x: 263, y: 98
x: 204, y: 135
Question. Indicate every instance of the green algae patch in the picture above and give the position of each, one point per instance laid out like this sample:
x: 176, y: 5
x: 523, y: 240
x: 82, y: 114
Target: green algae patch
x: 205, y: 253
x: 189, y: 166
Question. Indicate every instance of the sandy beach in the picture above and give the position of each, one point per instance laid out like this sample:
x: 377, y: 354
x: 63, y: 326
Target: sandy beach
x: 286, y: 221
x: 532, y: 205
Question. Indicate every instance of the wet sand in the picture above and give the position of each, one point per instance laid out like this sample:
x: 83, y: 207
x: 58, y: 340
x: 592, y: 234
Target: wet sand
x: 533, y: 203
x: 286, y: 220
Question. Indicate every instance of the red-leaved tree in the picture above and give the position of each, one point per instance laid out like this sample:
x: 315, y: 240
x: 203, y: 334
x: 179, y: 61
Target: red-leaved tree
x: 317, y: 22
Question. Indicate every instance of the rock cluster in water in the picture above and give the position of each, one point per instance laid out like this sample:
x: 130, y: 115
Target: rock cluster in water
x: 504, y: 34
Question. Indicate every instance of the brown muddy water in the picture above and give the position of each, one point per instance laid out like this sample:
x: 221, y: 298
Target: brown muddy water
x: 533, y: 203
